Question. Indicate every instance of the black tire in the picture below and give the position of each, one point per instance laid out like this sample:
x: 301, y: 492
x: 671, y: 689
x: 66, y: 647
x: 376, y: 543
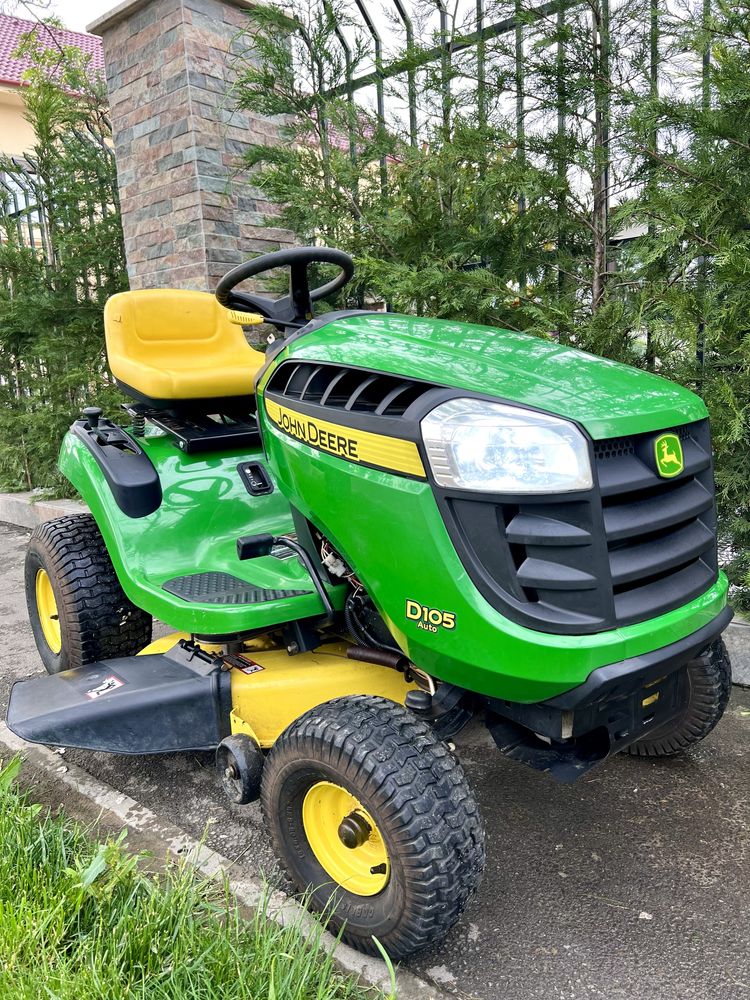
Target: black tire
x: 418, y: 796
x: 709, y: 678
x: 97, y: 621
x: 239, y: 761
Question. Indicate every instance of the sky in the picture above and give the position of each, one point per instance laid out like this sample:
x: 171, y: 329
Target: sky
x: 74, y: 14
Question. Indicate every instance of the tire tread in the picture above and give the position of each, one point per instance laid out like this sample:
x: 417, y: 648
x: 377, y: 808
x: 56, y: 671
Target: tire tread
x: 710, y: 687
x: 413, y: 776
x: 100, y: 622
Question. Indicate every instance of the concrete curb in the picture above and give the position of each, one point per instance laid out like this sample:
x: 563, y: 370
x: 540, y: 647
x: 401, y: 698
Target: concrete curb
x: 737, y: 638
x: 119, y: 811
x: 23, y: 511
x: 26, y: 510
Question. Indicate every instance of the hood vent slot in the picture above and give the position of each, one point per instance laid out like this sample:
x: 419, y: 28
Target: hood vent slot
x: 349, y: 389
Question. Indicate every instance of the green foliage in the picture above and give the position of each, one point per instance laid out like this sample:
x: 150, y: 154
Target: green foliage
x: 52, y: 292
x: 481, y: 218
x: 84, y: 919
x: 497, y: 213
x: 695, y: 259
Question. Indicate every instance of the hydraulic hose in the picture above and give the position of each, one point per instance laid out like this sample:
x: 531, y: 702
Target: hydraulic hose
x: 383, y: 657
x: 361, y: 634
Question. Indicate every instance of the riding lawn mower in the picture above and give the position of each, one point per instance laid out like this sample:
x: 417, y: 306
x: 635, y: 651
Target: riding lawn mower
x: 376, y: 531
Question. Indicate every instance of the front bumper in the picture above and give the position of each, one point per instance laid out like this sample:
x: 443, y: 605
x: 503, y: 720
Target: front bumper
x: 615, y: 706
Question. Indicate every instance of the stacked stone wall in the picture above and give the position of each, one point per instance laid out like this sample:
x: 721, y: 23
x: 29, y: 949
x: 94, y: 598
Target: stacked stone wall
x: 187, y: 218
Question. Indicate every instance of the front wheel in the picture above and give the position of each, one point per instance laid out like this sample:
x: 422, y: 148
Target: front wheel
x: 709, y: 679
x: 372, y: 815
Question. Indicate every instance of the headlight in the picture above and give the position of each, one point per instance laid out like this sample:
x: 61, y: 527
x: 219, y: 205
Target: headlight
x: 475, y: 445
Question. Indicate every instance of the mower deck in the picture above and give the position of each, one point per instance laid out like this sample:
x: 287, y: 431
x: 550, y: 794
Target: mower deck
x: 178, y: 696
x: 158, y: 703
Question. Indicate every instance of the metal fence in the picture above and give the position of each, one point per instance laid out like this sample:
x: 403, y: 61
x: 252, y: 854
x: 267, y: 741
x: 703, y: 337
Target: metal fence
x: 21, y: 196
x: 39, y: 205
x: 495, y: 37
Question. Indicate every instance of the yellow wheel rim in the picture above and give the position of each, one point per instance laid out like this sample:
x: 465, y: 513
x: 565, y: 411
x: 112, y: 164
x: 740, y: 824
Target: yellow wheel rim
x: 46, y: 606
x: 361, y: 868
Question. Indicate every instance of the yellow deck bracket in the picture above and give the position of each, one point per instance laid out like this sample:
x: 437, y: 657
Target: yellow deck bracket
x: 280, y: 688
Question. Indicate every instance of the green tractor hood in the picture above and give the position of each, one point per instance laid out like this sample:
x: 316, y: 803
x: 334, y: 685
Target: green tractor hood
x: 608, y: 399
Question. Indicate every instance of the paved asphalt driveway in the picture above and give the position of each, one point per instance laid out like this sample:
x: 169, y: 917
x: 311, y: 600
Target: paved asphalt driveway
x: 633, y: 883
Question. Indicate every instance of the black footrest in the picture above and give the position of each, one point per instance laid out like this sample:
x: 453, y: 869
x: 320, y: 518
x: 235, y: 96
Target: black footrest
x: 156, y: 703
x: 222, y: 588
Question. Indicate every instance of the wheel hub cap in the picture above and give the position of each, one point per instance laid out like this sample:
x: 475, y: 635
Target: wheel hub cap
x: 345, y: 839
x: 47, y: 608
x: 354, y: 830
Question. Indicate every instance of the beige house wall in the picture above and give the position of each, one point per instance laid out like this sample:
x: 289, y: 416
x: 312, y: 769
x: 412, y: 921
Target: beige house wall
x: 16, y: 135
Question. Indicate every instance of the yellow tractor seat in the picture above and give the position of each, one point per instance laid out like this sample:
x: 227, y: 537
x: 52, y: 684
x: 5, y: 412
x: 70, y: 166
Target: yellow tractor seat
x: 167, y: 345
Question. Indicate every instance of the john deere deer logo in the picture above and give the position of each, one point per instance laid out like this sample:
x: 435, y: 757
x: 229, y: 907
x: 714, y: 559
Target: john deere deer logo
x: 669, y: 460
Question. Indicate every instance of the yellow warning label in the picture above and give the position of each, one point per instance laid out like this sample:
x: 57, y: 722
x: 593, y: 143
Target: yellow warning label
x: 349, y: 443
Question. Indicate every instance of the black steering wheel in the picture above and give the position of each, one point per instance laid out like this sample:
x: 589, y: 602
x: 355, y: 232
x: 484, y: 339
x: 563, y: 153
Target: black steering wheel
x: 295, y: 309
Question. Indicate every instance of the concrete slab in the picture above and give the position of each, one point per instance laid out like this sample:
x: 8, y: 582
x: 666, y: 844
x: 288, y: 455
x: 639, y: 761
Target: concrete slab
x: 633, y: 884
x: 26, y: 510
x: 737, y: 638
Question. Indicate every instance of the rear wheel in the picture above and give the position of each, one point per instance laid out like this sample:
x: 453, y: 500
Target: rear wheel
x: 372, y: 814
x: 709, y: 678
x: 77, y: 608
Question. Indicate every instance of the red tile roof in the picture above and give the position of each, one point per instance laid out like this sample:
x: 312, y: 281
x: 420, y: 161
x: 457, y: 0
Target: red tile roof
x: 12, y: 29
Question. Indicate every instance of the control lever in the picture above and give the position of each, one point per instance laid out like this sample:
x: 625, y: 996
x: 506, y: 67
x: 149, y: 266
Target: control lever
x: 252, y: 546
x: 91, y: 415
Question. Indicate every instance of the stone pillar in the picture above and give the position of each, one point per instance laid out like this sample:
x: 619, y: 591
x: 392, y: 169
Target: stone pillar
x: 168, y: 67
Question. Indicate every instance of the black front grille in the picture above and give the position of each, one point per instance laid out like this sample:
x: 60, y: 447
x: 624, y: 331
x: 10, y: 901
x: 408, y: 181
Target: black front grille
x: 661, y: 533
x: 341, y: 387
x: 634, y: 547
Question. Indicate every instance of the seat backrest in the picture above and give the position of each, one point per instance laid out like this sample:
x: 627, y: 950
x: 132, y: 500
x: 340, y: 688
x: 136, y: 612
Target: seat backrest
x: 168, y: 343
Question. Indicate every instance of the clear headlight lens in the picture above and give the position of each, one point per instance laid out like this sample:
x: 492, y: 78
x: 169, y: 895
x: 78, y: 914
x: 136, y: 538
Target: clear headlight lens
x: 476, y: 445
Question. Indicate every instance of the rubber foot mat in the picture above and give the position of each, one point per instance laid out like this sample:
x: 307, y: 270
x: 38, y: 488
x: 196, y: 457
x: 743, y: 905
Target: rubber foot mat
x: 223, y: 588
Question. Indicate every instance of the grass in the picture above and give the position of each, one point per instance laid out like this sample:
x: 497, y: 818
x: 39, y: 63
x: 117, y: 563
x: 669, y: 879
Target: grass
x: 82, y: 920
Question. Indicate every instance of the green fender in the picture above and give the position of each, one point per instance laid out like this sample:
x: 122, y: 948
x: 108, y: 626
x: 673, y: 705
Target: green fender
x: 204, y: 510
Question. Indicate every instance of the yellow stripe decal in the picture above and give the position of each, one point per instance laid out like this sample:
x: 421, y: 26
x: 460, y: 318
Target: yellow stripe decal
x: 350, y: 443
